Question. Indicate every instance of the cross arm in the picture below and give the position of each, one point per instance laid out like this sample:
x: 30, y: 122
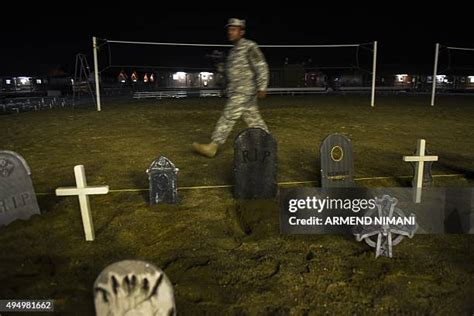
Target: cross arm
x: 418, y: 159
x: 92, y: 190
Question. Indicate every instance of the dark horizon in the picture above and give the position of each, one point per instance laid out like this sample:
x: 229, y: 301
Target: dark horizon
x: 38, y: 42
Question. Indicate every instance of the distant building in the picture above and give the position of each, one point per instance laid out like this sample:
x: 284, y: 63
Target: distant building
x: 23, y: 86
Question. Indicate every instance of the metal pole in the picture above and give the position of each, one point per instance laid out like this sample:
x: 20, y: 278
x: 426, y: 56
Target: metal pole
x: 435, y: 73
x: 374, y: 70
x: 96, y: 73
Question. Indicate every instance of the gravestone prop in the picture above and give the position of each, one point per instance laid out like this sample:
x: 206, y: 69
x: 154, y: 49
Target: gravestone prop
x: 384, y: 237
x: 471, y: 215
x: 162, y: 175
x: 337, y: 165
x: 255, y: 165
x: 422, y: 169
x: 427, y: 176
x: 82, y: 190
x: 133, y: 287
x: 426, y: 159
x: 459, y: 211
x: 17, y: 195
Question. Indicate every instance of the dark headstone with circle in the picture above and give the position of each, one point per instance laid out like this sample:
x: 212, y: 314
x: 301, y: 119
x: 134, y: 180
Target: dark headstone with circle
x: 162, y: 175
x: 337, y: 165
x: 17, y: 195
x: 255, y: 165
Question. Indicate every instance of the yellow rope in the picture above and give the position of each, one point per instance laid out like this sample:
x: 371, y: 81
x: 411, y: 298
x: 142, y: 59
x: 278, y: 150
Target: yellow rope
x: 221, y: 186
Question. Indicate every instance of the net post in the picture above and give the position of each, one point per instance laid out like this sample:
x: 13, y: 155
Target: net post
x: 374, y: 73
x: 96, y: 72
x: 435, y: 73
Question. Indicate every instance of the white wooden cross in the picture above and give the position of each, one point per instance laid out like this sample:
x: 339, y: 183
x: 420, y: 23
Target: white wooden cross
x: 419, y: 159
x: 83, y: 191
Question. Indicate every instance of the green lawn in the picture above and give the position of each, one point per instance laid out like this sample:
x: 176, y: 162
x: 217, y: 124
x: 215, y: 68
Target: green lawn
x: 225, y: 256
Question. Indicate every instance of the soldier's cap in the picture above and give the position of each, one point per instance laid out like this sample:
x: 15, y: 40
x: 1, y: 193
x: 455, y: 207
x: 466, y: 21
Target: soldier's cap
x: 236, y: 22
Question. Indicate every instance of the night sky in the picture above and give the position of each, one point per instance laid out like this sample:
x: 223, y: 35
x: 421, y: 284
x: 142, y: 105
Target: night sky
x: 41, y: 38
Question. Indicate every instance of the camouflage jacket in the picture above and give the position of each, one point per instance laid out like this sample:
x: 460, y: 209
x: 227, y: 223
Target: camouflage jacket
x: 246, y: 69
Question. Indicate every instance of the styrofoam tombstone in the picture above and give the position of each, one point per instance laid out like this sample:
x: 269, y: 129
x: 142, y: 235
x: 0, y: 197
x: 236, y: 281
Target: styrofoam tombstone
x: 133, y: 287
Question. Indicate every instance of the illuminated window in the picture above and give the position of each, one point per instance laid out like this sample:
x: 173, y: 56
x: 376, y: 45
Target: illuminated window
x: 179, y: 75
x: 401, y: 78
x: 38, y: 81
x: 206, y: 75
x: 471, y: 79
x: 8, y: 81
x: 441, y: 78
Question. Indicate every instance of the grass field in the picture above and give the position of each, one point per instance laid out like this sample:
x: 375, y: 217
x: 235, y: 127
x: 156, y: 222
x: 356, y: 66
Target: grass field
x: 225, y: 256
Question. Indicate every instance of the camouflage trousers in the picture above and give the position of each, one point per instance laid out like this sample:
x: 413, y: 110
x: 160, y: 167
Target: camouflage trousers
x: 237, y: 106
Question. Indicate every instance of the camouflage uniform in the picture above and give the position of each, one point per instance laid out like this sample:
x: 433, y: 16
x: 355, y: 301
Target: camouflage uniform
x: 247, y: 73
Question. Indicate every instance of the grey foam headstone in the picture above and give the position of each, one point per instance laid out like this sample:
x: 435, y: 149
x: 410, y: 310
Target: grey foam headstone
x: 17, y: 195
x: 133, y: 287
x: 255, y: 165
x: 337, y: 165
x: 459, y: 211
x: 163, y: 178
x: 471, y: 215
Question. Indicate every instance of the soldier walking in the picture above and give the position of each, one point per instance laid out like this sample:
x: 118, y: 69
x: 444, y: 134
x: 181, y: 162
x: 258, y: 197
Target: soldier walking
x: 247, y: 80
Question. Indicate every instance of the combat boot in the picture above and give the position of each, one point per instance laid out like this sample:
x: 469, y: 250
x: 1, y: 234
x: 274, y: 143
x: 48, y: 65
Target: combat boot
x: 208, y: 150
